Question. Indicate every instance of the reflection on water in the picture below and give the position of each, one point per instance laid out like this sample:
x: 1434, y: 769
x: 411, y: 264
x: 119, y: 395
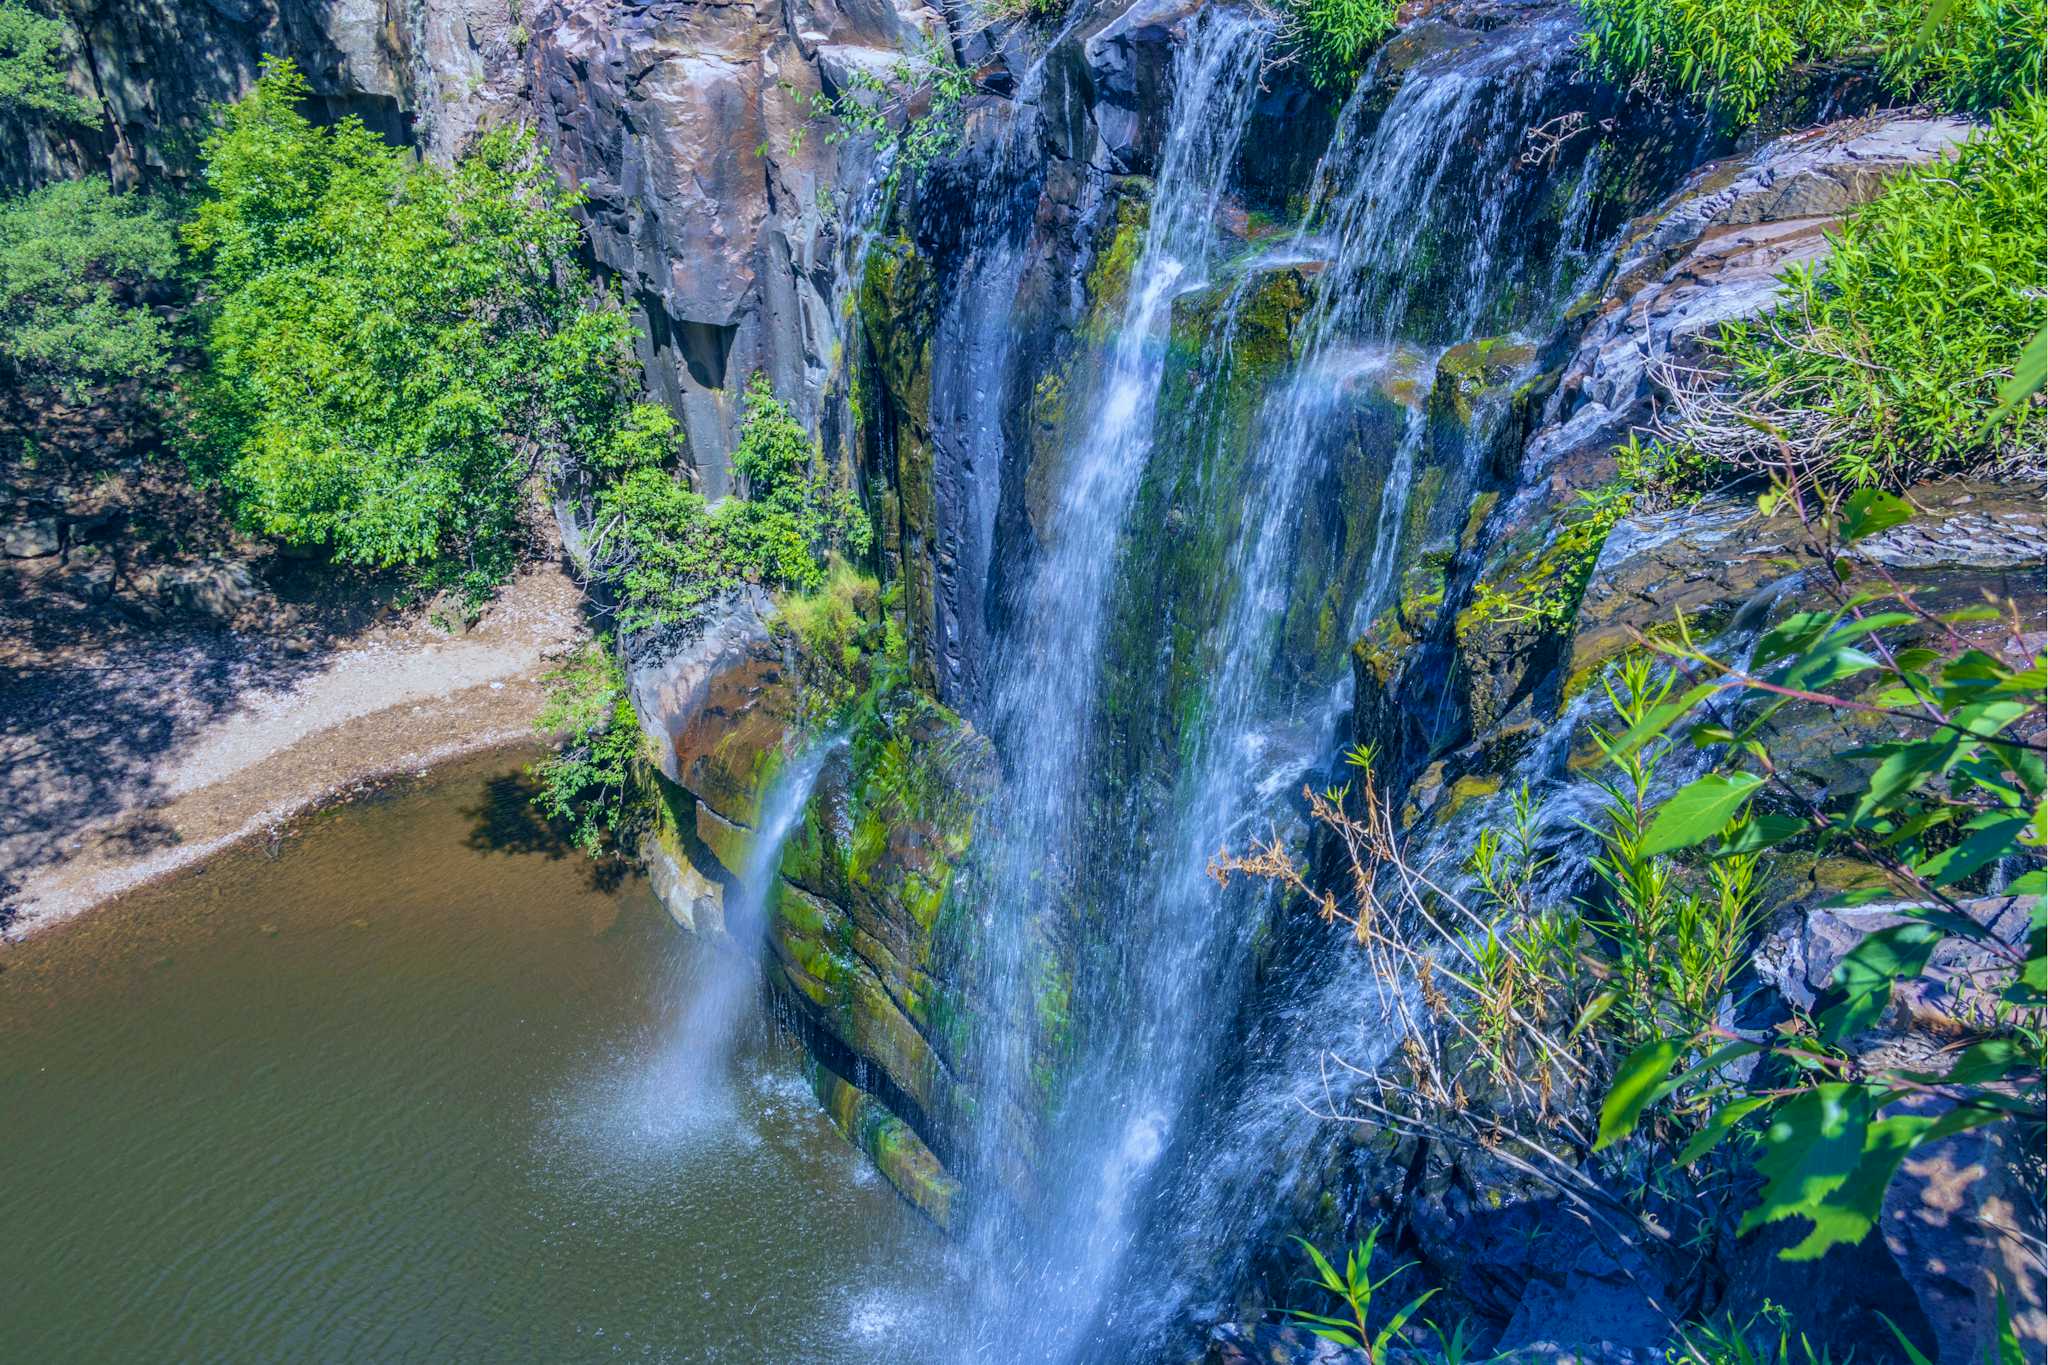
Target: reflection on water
x: 419, y: 1086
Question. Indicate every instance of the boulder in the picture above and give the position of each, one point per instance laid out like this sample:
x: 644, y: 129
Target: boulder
x: 1712, y: 254
x: 32, y: 538
x: 220, y: 591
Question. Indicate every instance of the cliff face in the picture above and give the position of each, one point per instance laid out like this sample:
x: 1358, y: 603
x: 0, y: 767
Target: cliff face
x: 423, y: 73
x: 713, y: 199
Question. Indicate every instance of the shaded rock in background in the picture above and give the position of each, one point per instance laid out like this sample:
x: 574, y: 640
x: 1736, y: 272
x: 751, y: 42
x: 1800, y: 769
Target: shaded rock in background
x: 711, y: 192
x: 426, y: 74
x: 32, y: 538
x: 221, y: 591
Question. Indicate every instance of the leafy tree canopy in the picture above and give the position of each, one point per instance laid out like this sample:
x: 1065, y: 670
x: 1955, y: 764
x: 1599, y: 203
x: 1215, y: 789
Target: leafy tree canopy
x: 76, y: 264
x: 395, y: 348
x: 671, y: 553
x: 35, y: 58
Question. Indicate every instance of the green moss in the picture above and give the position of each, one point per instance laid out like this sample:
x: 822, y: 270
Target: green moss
x: 893, y: 1145
x: 1469, y: 788
x: 1542, y: 588
x: 1475, y: 520
x: 1109, y: 280
x: 869, y: 842
x: 1470, y: 370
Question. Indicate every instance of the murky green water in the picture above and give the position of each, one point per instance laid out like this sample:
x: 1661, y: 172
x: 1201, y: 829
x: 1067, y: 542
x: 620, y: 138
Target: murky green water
x: 410, y: 1087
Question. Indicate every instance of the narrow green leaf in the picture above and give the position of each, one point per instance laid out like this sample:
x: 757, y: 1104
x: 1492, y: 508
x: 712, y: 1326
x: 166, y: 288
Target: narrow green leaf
x: 1392, y: 1330
x: 1595, y: 1007
x: 1720, y: 1126
x: 1913, y: 1353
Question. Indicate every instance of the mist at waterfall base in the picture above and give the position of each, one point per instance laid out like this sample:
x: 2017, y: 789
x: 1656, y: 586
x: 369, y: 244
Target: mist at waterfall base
x: 685, y: 1084
x: 406, y: 1087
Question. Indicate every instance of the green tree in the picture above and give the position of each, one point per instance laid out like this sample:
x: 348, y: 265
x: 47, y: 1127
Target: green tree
x: 35, y: 59
x: 396, y: 349
x: 78, y: 264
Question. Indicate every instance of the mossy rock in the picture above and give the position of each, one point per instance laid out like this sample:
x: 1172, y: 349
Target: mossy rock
x: 1473, y: 371
x: 1117, y: 250
x: 893, y: 1145
x: 865, y: 933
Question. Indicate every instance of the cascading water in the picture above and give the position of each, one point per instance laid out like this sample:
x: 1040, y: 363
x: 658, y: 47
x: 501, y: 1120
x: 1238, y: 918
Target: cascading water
x: 728, y: 986
x: 1042, y: 707
x: 1134, y: 1197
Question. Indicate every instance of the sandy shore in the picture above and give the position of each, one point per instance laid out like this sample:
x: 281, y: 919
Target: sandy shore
x: 168, y: 763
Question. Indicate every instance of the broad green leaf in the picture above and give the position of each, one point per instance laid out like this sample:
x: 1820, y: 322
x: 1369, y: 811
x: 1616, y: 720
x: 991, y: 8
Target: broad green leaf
x: 1698, y: 811
x: 1812, y: 1144
x: 1791, y: 635
x: 1845, y: 1212
x: 1637, y: 1081
x: 1987, y: 1059
x: 1827, y: 664
x: 1904, y: 767
x: 1865, y: 976
x: 1869, y: 511
x: 2028, y: 373
x: 1993, y: 835
x: 1595, y: 1007
x: 1762, y: 830
x: 1661, y: 718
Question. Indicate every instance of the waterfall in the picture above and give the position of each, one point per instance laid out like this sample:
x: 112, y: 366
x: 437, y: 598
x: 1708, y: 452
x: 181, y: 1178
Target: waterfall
x: 725, y: 987
x: 1166, y: 1120
x: 1388, y: 194
x: 1042, y: 701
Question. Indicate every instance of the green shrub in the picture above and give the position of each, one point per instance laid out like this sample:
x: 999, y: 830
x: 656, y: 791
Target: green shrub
x: 76, y: 264
x: 1636, y: 1005
x: 394, y: 349
x: 1975, y: 54
x: 1736, y: 53
x: 911, y: 111
x: 670, y: 554
x: 590, y: 783
x: 1947, y: 808
x: 35, y: 58
x: 1353, y: 1292
x: 1732, y: 52
x: 1334, y: 37
x: 1902, y: 338
x: 843, y: 637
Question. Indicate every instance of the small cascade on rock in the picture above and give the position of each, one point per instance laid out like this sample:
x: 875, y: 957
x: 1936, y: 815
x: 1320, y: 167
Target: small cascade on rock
x: 1050, y: 1269
x: 725, y: 988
